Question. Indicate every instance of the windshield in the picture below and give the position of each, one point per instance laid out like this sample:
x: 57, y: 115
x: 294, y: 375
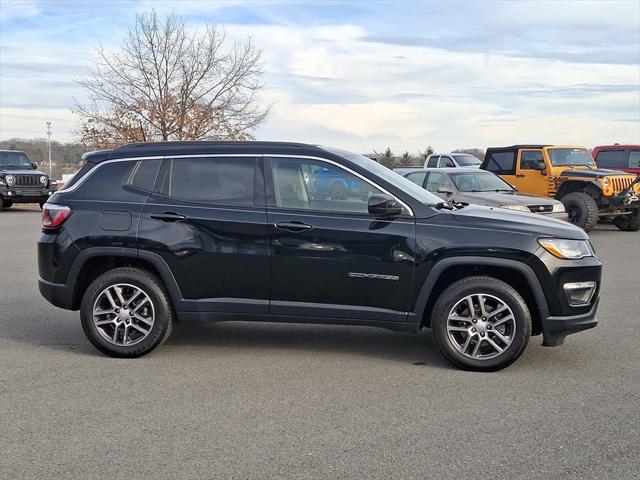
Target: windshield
x: 467, y: 160
x: 390, y: 176
x: 14, y: 159
x: 566, y: 157
x: 480, y: 182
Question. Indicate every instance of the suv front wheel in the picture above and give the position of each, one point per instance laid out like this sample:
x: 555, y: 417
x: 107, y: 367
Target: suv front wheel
x: 126, y: 312
x: 582, y: 209
x: 481, y: 323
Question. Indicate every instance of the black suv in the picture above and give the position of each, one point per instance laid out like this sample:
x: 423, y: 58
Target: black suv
x: 149, y: 234
x: 21, y: 181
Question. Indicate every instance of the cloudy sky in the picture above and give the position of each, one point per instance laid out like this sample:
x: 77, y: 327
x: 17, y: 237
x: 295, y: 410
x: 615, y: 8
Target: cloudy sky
x: 366, y: 75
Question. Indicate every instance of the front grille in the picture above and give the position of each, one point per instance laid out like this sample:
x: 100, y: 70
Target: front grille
x: 27, y: 180
x: 620, y: 183
x: 540, y: 208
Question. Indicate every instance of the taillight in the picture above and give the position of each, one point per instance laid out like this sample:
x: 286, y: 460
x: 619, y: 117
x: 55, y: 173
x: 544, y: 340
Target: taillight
x: 53, y: 216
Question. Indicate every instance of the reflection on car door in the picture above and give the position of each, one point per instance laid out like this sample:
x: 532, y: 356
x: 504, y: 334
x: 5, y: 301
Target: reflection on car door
x: 329, y: 256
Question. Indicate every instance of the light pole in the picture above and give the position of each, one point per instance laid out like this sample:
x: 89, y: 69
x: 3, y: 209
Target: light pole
x: 49, y: 144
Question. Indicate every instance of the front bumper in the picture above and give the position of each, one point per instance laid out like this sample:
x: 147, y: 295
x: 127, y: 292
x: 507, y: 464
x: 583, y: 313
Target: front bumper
x: 555, y: 329
x: 25, y: 195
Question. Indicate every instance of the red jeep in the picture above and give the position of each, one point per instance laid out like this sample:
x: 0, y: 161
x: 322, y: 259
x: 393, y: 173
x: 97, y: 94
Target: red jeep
x: 618, y: 157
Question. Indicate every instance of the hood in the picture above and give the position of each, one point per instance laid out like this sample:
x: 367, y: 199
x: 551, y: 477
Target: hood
x: 594, y: 173
x: 503, y: 219
x: 10, y: 171
x: 503, y: 198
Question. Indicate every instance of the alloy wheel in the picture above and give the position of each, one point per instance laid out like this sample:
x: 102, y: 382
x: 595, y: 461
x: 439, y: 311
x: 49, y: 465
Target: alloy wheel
x: 481, y: 326
x: 123, y: 314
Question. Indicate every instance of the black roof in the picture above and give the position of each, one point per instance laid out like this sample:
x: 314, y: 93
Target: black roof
x: 517, y: 147
x: 194, y: 147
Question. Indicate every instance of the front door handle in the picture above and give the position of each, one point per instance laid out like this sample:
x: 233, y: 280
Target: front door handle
x: 293, y: 226
x: 168, y: 217
x: 520, y: 175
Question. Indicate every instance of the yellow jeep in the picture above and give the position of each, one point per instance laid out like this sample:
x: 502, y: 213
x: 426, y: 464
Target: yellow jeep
x: 570, y: 175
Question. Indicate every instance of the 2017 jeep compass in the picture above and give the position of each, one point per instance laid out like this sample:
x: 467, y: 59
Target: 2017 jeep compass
x: 150, y: 234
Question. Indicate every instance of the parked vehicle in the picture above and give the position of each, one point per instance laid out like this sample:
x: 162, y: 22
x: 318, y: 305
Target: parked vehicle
x: 570, y: 175
x: 440, y: 160
x: 21, y: 181
x: 479, y: 187
x: 149, y: 234
x: 625, y: 158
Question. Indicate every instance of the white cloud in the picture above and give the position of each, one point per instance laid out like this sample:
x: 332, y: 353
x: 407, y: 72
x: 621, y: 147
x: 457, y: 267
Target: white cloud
x: 329, y: 86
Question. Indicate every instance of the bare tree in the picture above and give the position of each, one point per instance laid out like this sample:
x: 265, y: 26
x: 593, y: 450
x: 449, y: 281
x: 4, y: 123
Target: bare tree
x: 165, y: 83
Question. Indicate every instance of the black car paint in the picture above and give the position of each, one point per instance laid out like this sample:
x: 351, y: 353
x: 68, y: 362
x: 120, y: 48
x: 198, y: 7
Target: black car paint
x: 233, y: 263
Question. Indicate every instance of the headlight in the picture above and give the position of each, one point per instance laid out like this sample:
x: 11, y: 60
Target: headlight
x: 558, y: 208
x: 568, y: 249
x: 605, y: 182
x: 43, y: 180
x: 519, y: 208
x: 10, y: 179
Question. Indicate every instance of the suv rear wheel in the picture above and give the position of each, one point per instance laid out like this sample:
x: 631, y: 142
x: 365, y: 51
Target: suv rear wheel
x: 628, y: 223
x: 126, y: 312
x: 481, y: 323
x: 582, y: 209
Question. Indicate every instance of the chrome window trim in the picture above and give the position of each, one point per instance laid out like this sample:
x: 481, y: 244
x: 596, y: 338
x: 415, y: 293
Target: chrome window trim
x: 321, y: 159
x: 254, y: 155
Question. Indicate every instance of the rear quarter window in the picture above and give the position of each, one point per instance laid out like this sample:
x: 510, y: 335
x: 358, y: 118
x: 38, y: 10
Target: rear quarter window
x: 126, y: 181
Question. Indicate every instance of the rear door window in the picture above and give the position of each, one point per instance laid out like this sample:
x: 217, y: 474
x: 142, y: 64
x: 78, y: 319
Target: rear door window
x: 210, y: 181
x: 612, y: 158
x: 502, y: 163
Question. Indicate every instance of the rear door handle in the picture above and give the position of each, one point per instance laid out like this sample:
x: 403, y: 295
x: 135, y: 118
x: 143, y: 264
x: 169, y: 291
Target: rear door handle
x: 168, y: 217
x: 293, y: 226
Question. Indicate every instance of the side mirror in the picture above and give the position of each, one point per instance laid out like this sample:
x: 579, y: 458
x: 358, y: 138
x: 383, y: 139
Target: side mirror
x: 384, y: 205
x: 34, y: 165
x: 445, y: 190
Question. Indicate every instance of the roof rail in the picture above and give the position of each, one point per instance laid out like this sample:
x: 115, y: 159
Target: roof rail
x: 204, y: 142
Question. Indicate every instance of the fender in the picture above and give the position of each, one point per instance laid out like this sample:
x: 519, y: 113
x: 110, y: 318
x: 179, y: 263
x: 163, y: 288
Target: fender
x: 565, y: 184
x: 153, y: 258
x: 442, y: 265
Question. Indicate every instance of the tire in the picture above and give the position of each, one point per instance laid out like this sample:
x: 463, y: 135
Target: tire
x: 135, y: 334
x: 628, y: 223
x: 41, y: 204
x: 7, y: 204
x: 582, y: 209
x: 456, y: 337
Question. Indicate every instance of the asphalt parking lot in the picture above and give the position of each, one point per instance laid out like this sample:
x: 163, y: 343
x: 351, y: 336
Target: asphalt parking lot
x: 246, y: 400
